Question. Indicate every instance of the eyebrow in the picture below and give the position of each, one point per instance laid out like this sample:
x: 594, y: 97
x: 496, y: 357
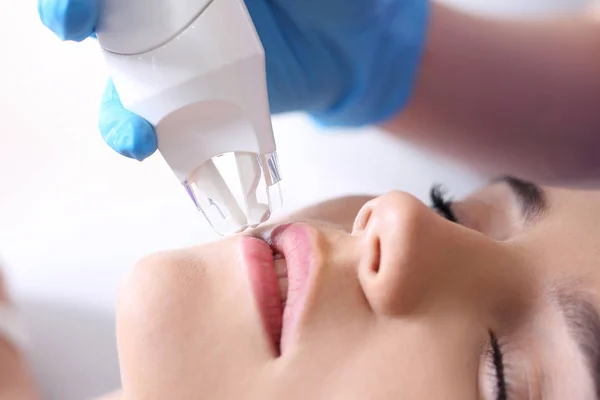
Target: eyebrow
x: 530, y: 196
x: 584, y: 323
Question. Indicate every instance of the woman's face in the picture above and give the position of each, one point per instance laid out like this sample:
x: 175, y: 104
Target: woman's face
x: 397, y: 302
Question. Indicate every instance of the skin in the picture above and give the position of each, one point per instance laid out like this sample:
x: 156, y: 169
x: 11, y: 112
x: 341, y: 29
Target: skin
x: 16, y: 379
x: 509, y: 96
x: 399, y: 298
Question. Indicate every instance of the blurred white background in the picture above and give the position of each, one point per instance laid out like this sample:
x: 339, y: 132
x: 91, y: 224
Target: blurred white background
x: 74, y: 216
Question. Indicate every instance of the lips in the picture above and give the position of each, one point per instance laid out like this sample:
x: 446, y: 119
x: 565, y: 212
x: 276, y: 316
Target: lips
x: 279, y: 275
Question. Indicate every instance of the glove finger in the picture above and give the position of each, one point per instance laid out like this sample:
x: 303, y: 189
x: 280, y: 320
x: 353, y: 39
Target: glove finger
x: 69, y: 19
x: 127, y: 133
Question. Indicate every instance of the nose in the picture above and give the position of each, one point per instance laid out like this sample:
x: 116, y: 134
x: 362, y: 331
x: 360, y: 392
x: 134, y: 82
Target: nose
x: 391, y: 227
x: 413, y: 260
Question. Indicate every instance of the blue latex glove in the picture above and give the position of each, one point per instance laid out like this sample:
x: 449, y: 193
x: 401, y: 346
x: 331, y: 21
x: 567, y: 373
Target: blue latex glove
x: 346, y: 62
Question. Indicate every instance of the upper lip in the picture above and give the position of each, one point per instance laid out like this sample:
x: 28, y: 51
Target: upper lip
x: 294, y: 242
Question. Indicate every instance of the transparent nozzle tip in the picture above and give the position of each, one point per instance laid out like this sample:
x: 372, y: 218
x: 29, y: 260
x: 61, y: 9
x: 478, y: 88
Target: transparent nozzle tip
x: 236, y: 191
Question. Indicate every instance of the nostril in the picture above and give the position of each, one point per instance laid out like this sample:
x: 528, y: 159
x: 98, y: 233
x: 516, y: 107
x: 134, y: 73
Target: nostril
x: 362, y: 219
x: 372, y: 257
x: 376, y: 257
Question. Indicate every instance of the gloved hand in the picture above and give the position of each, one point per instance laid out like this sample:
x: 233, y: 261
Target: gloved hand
x: 346, y: 62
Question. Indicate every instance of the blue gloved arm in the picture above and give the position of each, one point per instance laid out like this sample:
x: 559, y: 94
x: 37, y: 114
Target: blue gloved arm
x: 345, y: 62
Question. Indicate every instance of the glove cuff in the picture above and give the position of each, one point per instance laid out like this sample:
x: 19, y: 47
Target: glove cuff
x: 384, y: 78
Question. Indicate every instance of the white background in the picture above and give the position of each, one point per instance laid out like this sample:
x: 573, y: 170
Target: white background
x: 74, y: 216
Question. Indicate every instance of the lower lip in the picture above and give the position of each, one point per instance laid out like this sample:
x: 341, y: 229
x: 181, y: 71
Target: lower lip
x: 258, y: 258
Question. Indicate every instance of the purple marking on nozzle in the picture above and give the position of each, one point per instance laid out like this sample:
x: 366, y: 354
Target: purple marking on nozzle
x: 190, y: 193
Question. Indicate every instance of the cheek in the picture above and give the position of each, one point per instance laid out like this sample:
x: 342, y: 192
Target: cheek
x: 380, y: 358
x: 428, y: 357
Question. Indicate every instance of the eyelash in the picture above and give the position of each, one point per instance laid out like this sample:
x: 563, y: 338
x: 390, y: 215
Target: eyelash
x: 497, y: 360
x: 442, y: 204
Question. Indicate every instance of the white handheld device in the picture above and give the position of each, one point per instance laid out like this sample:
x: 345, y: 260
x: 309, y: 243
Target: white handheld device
x: 195, y: 69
